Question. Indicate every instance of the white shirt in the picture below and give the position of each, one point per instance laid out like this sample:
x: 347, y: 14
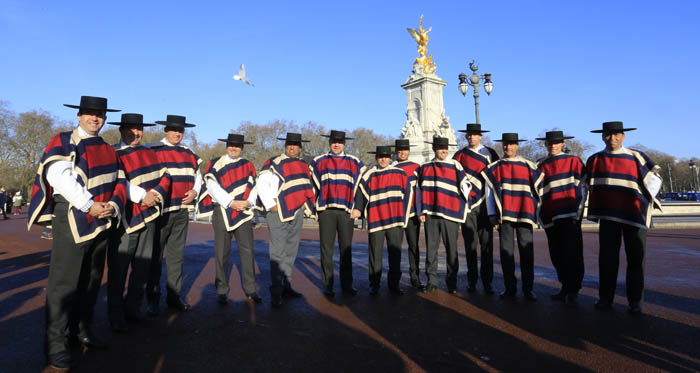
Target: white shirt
x: 221, y: 197
x: 268, y: 188
x: 63, y: 179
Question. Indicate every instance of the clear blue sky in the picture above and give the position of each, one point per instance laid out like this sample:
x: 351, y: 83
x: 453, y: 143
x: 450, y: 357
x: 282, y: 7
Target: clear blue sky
x: 569, y: 64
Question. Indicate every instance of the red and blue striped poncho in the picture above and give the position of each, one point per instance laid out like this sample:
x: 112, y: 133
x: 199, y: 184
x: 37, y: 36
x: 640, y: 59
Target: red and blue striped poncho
x: 237, y: 178
x: 182, y: 165
x: 141, y: 167
x: 562, y: 187
x: 295, y: 190
x: 617, y: 187
x: 473, y: 163
x: 336, y: 178
x: 517, y: 186
x: 97, y: 167
x: 410, y: 169
x: 439, y: 190
x: 386, y: 193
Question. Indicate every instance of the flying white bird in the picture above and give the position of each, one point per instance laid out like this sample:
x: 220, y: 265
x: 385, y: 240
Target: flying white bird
x: 241, y: 76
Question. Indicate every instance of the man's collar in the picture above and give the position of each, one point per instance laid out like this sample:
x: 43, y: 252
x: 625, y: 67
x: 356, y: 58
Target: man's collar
x: 478, y: 147
x: 166, y: 142
x: 83, y: 133
x: 342, y: 154
x: 228, y: 158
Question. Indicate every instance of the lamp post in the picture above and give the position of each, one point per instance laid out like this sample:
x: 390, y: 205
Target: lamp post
x: 694, y: 167
x: 474, y: 81
x: 670, y: 178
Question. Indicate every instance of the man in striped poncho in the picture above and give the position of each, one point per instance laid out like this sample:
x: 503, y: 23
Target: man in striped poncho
x: 516, y: 187
x: 77, y: 190
x: 336, y: 175
x: 623, y: 186
x: 131, y: 244
x: 442, y: 193
x: 384, y: 199
x: 228, y: 196
x: 477, y: 229
x: 171, y: 226
x: 563, y: 196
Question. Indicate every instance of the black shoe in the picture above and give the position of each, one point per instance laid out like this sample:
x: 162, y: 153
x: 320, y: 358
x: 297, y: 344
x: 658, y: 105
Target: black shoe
x: 529, y: 295
x: 349, y: 290
x: 429, y: 288
x: 89, y: 340
x: 276, y: 301
x: 290, y: 293
x: 153, y: 308
x: 451, y: 290
x: 571, y: 300
x: 254, y: 297
x: 471, y: 288
x: 416, y: 284
x: 178, y: 304
x: 635, y: 308
x: 118, y: 325
x: 396, y: 290
x: 373, y: 290
x: 488, y: 289
x: 329, y: 292
x: 560, y: 296
x: 507, y: 294
x: 222, y: 299
x: 137, y: 318
x: 60, y: 360
x: 603, y: 305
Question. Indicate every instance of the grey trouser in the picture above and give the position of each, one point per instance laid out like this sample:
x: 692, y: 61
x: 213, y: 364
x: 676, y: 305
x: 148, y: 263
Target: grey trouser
x: 170, y: 238
x: 394, y: 239
x: 135, y: 249
x: 75, y: 276
x: 610, y: 235
x: 435, y: 227
x: 222, y: 249
x: 478, y: 230
x: 330, y: 222
x: 284, y: 245
x: 412, y: 231
x: 507, y: 233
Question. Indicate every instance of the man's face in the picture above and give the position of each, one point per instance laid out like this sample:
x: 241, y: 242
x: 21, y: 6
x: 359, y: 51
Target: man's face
x: 440, y: 152
x: 613, y: 140
x: 402, y: 155
x: 554, y: 147
x: 510, y: 149
x: 234, y: 150
x: 474, y: 139
x: 131, y: 134
x: 174, y: 134
x: 383, y: 160
x: 91, y: 121
x: 292, y: 149
x: 337, y: 146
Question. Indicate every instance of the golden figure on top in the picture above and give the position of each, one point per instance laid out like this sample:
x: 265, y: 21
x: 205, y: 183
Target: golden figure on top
x: 421, y: 37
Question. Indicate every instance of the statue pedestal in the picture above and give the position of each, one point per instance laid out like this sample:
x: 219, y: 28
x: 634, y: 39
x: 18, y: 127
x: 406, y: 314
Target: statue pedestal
x: 425, y: 114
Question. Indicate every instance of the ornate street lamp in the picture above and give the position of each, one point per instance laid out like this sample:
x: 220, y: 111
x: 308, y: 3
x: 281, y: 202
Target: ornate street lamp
x: 474, y: 80
x: 694, y: 167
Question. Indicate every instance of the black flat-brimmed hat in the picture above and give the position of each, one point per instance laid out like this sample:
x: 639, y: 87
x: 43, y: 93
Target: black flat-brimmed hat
x: 132, y: 119
x: 338, y: 135
x: 474, y: 128
x: 613, y: 127
x: 234, y: 138
x: 509, y: 137
x: 175, y: 121
x: 554, y: 136
x: 93, y: 103
x: 440, y: 141
x: 292, y: 137
x: 382, y: 150
x: 402, y: 144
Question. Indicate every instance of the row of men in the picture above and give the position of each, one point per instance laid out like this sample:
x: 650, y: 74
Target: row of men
x: 123, y: 199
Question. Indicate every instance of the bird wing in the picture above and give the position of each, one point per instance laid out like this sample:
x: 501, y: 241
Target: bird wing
x: 241, y: 71
x: 414, y: 34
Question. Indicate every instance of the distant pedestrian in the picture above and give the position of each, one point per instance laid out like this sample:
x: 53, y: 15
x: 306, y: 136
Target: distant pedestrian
x: 17, y: 202
x: 2, y: 203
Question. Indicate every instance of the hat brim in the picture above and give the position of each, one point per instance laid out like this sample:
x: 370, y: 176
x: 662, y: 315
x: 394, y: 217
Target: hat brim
x: 557, y: 139
x: 237, y: 142
x: 617, y: 130
x: 441, y: 144
x: 382, y: 153
x: 283, y: 139
x: 509, y: 140
x: 170, y: 124
x: 337, y: 138
x: 468, y: 131
x: 91, y: 108
x: 132, y: 124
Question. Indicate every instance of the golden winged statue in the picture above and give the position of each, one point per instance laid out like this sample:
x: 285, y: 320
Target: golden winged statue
x: 421, y: 37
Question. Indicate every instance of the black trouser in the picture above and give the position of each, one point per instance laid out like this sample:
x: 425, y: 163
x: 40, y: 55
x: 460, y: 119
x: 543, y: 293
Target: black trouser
x: 435, y: 227
x: 412, y: 232
x: 394, y: 240
x: 330, y: 222
x: 478, y: 230
x: 507, y: 232
x: 565, y: 242
x: 75, y: 276
x: 135, y: 249
x: 170, y: 238
x: 610, y: 236
x: 222, y: 250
